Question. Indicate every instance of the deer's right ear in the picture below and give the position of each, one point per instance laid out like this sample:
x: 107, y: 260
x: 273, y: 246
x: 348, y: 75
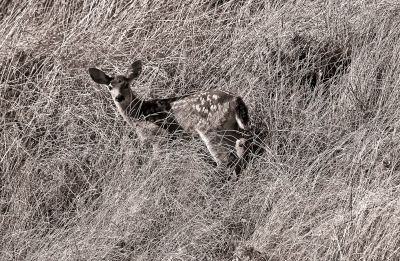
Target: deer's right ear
x: 136, y: 69
x: 99, y: 76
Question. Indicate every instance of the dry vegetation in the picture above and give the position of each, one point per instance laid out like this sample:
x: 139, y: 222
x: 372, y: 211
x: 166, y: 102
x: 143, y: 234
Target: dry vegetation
x: 321, y: 76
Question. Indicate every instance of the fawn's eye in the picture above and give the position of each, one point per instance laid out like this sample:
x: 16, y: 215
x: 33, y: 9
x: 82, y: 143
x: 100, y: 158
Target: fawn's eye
x: 110, y: 87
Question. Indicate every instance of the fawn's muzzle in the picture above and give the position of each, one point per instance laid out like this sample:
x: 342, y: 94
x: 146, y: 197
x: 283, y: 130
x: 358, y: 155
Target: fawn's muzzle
x: 119, y: 98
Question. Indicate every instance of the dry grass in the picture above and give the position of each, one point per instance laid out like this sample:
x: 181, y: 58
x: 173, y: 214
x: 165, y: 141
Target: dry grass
x: 321, y: 76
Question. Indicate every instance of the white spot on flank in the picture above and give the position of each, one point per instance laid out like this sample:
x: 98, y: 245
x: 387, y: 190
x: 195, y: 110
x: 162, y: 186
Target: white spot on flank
x: 181, y: 102
x: 215, y: 97
x: 198, y: 107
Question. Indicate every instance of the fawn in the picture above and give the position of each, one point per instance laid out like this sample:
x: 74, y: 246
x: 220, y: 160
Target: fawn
x: 220, y: 119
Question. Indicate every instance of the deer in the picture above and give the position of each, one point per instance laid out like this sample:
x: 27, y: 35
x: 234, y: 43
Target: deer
x: 219, y: 118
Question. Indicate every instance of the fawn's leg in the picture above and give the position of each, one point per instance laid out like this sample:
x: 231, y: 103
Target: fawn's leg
x: 237, y: 142
x: 222, y: 147
x: 212, y: 144
x: 150, y: 136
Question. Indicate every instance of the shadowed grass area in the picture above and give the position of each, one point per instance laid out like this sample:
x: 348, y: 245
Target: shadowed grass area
x: 320, y: 78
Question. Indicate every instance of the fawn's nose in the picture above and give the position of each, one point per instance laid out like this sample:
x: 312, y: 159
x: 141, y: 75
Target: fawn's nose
x: 119, y: 98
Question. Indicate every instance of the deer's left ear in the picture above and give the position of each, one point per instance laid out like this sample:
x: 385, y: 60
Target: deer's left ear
x: 99, y: 76
x: 136, y: 69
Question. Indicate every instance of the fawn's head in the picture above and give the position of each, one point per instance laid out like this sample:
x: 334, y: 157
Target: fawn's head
x: 119, y: 84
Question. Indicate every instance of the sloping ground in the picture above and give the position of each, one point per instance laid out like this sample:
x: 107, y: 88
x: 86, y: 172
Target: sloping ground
x: 321, y: 76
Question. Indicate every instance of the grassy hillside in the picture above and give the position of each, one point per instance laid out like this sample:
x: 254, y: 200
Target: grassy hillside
x: 321, y: 76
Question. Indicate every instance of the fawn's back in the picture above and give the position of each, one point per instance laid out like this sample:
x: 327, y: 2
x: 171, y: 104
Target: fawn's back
x: 205, y: 111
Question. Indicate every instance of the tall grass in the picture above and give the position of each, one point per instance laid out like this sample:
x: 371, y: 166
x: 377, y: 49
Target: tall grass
x: 321, y: 76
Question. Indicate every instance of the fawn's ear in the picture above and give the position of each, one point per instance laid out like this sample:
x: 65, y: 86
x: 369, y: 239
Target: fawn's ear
x: 136, y: 69
x: 99, y: 76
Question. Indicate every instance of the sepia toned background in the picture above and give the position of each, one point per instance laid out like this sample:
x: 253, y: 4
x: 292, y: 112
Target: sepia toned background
x: 321, y: 77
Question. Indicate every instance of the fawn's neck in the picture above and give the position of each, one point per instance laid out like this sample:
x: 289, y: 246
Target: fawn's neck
x: 156, y: 111
x: 129, y: 108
